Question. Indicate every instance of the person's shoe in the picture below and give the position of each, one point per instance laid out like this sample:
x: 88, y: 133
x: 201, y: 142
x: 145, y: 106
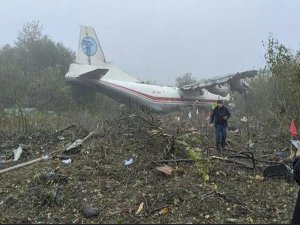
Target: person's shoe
x: 219, y: 149
x: 223, y: 144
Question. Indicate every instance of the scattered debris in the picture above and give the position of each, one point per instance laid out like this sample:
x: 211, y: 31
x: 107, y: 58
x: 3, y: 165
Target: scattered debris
x: 259, y: 178
x: 88, y: 211
x: 280, y: 170
x: 141, y: 195
x: 281, y: 154
x: 166, y: 170
x: 67, y: 161
x: 128, y: 162
x: 75, y: 144
x: 244, y: 119
x: 164, y: 211
x: 60, y: 138
x: 17, y: 152
x: 78, y: 142
x: 250, y: 144
x: 141, y: 207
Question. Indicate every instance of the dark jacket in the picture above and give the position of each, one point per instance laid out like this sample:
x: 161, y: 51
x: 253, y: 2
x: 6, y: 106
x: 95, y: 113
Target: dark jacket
x: 220, y: 115
x: 296, y: 173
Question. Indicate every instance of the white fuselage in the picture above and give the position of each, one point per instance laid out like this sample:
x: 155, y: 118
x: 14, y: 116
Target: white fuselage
x: 162, y: 99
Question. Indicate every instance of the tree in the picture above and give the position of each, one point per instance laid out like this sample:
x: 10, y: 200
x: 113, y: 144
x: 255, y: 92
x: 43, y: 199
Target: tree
x: 35, y: 59
x: 36, y: 51
x: 185, y: 79
x: 275, y: 94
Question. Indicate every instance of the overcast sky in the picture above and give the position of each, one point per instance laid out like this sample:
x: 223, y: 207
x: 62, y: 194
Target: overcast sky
x: 159, y: 40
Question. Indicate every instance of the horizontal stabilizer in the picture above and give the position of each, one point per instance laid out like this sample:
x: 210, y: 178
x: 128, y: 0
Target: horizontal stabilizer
x: 86, y: 71
x: 94, y: 74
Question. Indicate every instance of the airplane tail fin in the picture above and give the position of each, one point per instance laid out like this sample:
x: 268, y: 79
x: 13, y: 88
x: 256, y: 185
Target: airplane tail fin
x: 89, y: 49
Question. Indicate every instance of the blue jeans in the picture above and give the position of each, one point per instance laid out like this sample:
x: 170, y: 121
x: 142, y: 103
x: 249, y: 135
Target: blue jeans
x: 220, y: 134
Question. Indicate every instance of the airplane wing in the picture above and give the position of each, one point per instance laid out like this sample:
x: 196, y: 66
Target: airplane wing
x: 223, y: 85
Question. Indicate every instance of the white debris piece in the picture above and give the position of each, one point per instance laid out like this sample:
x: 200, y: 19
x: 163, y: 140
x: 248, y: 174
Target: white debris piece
x: 17, y: 153
x: 250, y: 143
x: 67, y: 161
x: 190, y: 115
x: 75, y: 144
x: 244, y: 119
x: 79, y: 142
x: 45, y: 157
x: 60, y: 137
x: 128, y: 162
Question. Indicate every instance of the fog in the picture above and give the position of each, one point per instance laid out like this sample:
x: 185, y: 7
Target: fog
x: 157, y: 40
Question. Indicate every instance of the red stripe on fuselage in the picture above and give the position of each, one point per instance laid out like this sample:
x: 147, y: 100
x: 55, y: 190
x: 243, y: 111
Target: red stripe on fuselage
x: 159, y: 99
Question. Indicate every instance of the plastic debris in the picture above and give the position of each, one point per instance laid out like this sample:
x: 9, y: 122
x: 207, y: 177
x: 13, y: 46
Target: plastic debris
x: 128, y: 162
x: 67, y: 161
x: 2, y: 159
x: 294, y: 142
x: 61, y: 138
x: 280, y: 170
x: 281, y: 154
x: 250, y: 143
x: 244, y: 119
x: 45, y: 157
x: 164, y: 211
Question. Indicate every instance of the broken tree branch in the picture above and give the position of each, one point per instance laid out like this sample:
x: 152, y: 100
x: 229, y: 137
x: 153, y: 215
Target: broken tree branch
x: 22, y: 165
x: 246, y: 165
x: 64, y: 129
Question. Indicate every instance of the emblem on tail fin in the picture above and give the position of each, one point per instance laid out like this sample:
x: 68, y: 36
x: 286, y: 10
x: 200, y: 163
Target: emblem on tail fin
x: 89, y: 46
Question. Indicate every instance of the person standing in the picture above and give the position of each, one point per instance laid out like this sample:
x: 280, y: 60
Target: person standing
x: 219, y: 118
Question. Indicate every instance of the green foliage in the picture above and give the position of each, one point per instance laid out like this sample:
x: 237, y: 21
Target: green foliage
x: 276, y: 53
x: 29, y: 123
x: 36, y: 51
x: 48, y: 91
x: 192, y: 139
x: 202, y: 164
x: 185, y: 79
x: 275, y: 94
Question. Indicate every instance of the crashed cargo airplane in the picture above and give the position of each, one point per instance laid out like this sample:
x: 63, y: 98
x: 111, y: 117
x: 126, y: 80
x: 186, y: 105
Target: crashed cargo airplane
x: 93, y: 71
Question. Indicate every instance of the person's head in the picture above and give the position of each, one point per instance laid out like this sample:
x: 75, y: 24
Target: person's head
x: 220, y: 103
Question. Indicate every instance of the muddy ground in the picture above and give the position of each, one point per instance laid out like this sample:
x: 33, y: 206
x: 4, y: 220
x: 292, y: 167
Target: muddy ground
x: 97, y: 187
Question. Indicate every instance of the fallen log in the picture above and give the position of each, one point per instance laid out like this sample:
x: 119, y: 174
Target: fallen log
x: 23, y: 164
